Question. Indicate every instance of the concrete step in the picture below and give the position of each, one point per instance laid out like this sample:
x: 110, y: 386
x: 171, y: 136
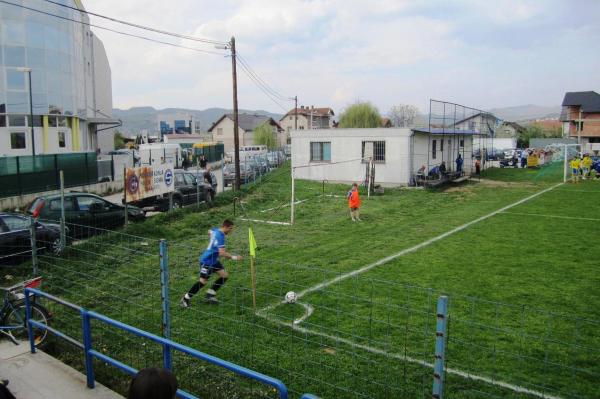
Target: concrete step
x: 41, y: 376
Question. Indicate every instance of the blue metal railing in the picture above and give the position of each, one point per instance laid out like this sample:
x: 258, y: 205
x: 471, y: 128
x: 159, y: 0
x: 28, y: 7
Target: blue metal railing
x: 167, y: 345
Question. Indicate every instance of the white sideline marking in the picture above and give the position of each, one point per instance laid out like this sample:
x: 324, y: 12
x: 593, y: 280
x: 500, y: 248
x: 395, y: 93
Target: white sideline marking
x: 421, y: 245
x: 423, y: 363
x: 266, y: 221
x: 284, y: 205
x: 296, y: 323
x: 551, y: 216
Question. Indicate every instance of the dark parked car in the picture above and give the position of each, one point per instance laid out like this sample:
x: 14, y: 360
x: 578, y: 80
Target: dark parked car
x: 247, y: 173
x: 187, y: 186
x: 85, y: 210
x: 15, y: 237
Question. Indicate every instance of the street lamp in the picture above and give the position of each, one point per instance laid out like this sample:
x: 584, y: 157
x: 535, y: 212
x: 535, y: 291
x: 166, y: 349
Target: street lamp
x: 28, y: 71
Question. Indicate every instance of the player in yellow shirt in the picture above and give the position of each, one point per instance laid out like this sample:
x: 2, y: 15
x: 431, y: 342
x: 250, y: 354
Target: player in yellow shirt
x: 575, y: 164
x: 586, y: 165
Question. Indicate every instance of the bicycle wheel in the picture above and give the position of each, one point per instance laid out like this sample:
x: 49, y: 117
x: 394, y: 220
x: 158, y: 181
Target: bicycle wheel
x: 15, y: 321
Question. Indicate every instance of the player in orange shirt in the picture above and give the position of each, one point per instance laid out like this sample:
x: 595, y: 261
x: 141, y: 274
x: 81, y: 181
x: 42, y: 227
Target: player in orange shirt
x: 354, y: 203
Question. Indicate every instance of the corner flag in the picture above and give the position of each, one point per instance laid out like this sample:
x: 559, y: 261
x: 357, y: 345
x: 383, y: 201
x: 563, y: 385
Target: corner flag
x: 251, y: 243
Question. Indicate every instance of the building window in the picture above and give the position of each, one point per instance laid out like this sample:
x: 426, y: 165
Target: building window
x: 219, y: 131
x: 290, y: 118
x: 16, y: 120
x: 462, y: 143
x: 442, y: 145
x: 320, y: 151
x: 17, y: 141
x: 2, y: 120
x: 378, y: 150
x: 62, y: 142
x: 433, y: 149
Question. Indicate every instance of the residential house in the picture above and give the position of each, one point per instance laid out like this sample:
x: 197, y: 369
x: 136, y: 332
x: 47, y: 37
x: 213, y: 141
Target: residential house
x: 481, y: 122
x: 581, y: 117
x: 308, y: 118
x: 222, y: 130
x: 386, y: 122
x: 338, y: 155
x: 509, y: 130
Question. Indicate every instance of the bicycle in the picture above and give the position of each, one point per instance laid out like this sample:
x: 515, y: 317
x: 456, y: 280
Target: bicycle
x: 12, y: 314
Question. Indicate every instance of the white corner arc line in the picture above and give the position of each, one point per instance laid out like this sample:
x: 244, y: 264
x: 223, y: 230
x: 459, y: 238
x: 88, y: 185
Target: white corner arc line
x: 551, y: 216
x: 421, y: 245
x: 266, y: 221
x: 309, y: 310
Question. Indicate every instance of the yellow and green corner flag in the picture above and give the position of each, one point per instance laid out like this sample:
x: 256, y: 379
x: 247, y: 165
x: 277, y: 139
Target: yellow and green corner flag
x: 251, y: 243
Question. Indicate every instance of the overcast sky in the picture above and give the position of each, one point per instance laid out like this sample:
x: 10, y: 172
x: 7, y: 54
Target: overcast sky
x: 479, y: 53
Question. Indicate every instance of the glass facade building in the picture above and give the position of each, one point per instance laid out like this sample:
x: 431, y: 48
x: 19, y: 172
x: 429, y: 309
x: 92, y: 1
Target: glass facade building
x: 60, y: 55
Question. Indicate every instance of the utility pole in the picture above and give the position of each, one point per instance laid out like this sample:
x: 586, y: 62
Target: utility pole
x: 236, y: 137
x: 296, y: 113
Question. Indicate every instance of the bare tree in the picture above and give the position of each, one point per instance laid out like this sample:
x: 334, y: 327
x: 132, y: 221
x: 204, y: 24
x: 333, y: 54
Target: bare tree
x: 403, y: 115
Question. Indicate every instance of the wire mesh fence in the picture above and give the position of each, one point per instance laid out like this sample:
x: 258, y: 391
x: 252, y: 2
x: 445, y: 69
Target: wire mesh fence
x: 347, y: 335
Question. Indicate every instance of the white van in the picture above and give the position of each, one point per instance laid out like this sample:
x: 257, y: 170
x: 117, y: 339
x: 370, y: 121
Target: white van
x: 250, y: 151
x: 157, y: 153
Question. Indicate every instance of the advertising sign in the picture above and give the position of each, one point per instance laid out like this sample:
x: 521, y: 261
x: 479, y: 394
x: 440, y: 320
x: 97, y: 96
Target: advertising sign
x: 148, y: 181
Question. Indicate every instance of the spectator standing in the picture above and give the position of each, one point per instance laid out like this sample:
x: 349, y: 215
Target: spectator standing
x: 203, y: 162
x: 477, y: 167
x: 459, y: 164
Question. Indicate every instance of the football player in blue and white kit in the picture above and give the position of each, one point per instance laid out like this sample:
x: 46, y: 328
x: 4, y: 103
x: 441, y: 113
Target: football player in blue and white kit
x: 209, y: 264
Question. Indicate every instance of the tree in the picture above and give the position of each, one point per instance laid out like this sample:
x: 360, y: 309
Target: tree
x: 119, y: 140
x: 535, y: 131
x: 403, y: 115
x: 360, y: 115
x: 264, y: 135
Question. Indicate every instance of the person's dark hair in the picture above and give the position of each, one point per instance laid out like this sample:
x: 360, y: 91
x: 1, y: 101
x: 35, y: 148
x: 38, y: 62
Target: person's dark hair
x: 153, y: 383
x: 354, y: 185
x: 227, y: 223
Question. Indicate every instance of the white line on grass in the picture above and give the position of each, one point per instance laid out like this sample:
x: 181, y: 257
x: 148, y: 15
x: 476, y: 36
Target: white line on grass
x: 551, y: 216
x: 409, y: 359
x: 421, y: 245
x: 296, y: 323
x: 309, y: 310
x: 284, y: 205
x: 266, y: 221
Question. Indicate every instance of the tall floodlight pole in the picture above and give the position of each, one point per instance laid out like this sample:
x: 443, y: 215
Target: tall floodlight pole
x: 236, y: 137
x: 28, y: 72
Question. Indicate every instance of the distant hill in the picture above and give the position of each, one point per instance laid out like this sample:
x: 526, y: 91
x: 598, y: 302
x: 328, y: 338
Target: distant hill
x: 526, y: 112
x: 137, y: 119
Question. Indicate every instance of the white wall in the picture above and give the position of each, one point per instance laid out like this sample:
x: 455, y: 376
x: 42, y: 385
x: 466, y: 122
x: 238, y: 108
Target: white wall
x: 423, y: 151
x: 346, y: 145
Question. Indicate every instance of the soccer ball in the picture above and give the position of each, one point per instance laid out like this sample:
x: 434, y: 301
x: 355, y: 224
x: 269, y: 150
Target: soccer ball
x: 290, y: 297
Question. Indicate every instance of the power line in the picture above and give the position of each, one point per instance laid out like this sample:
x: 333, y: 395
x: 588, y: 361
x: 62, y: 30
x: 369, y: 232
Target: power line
x: 263, y: 82
x: 112, y: 30
x: 198, y: 39
x: 258, y: 84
